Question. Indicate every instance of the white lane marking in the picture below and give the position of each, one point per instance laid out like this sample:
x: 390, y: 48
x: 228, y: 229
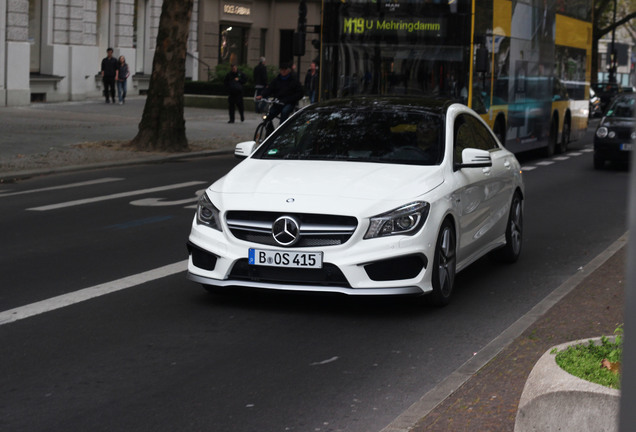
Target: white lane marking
x: 528, y: 168
x: 587, y: 150
x: 545, y: 163
x: 69, y: 299
x: 68, y: 186
x: 561, y: 158
x: 320, y: 363
x: 115, y: 196
x: 575, y: 154
x: 158, y: 202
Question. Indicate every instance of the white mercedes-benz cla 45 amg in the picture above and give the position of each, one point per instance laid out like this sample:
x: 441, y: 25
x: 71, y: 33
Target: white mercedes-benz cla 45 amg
x: 368, y: 196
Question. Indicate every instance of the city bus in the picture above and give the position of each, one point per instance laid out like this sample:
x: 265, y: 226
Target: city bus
x: 523, y: 65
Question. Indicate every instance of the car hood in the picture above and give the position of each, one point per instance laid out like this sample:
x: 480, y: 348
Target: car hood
x: 266, y: 184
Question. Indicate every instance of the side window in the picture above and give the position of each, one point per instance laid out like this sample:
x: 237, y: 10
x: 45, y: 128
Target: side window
x: 463, y: 137
x: 484, y: 139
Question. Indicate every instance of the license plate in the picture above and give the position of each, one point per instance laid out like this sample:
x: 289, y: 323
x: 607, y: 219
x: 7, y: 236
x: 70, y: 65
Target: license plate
x: 626, y: 147
x: 285, y: 259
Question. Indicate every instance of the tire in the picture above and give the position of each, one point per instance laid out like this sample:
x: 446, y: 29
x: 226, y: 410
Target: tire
x: 514, y: 233
x: 565, y: 136
x: 260, y: 134
x: 552, y: 139
x: 444, y: 264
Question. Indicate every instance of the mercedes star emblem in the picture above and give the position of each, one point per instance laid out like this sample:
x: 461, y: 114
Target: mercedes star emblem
x: 286, y: 231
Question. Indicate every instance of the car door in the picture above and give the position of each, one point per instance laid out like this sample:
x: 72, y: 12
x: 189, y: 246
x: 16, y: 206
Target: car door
x: 478, y: 199
x: 500, y: 187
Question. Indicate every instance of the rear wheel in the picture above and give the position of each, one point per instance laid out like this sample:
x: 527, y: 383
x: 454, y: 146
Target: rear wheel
x: 444, y: 262
x: 552, y: 140
x: 514, y: 233
x: 565, y: 137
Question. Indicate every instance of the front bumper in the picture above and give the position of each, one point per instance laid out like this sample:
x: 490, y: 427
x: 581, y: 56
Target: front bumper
x: 399, y: 265
x: 610, y: 150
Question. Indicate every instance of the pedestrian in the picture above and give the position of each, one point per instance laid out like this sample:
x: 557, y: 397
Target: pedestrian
x: 311, y: 82
x: 260, y: 82
x: 234, y: 81
x: 109, y: 71
x: 121, y: 76
x: 286, y: 88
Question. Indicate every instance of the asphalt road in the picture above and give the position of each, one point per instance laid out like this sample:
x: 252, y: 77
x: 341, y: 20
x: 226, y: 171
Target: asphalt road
x: 158, y: 353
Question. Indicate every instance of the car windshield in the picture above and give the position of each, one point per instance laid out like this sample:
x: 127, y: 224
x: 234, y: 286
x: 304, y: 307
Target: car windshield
x: 400, y: 135
x: 622, y: 106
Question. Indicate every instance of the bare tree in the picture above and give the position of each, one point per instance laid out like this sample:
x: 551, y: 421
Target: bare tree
x: 162, y: 125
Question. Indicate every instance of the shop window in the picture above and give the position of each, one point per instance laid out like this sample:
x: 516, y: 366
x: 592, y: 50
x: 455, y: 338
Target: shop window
x: 233, y: 44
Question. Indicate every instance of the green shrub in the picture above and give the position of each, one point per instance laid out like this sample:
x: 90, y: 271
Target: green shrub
x: 216, y: 86
x: 586, y: 361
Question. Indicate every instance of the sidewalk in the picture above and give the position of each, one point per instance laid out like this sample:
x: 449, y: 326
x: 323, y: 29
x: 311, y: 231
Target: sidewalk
x: 45, y: 138
x: 592, y: 305
x: 481, y: 396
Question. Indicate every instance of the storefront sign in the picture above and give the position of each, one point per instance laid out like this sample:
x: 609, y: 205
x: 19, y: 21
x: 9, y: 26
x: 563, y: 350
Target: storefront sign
x: 236, y: 9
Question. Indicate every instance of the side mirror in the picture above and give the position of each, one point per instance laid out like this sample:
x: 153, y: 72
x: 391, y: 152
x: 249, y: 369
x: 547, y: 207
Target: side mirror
x: 474, y: 158
x: 244, y: 149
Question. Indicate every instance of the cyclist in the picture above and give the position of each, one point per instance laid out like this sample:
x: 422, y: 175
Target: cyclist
x: 287, y: 89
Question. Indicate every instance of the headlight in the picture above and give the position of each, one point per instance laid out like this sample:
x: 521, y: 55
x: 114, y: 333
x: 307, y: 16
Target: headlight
x: 601, y: 132
x: 611, y: 134
x: 404, y: 220
x: 207, y: 214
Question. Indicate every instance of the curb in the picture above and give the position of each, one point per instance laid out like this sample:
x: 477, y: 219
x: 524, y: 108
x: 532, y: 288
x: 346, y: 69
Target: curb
x: 13, y: 176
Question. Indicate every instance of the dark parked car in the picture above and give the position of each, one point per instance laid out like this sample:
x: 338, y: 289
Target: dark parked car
x: 615, y: 135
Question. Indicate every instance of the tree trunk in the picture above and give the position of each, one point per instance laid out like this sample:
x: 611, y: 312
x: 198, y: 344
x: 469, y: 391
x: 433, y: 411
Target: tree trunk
x: 162, y: 125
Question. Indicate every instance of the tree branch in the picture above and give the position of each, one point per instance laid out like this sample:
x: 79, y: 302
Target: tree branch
x: 602, y: 32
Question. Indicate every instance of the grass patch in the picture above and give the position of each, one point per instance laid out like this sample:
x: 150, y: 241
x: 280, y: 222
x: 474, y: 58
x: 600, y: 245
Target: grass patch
x: 595, y: 362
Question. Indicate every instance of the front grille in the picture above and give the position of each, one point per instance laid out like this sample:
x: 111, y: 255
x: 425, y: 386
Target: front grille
x: 316, y: 230
x: 328, y: 275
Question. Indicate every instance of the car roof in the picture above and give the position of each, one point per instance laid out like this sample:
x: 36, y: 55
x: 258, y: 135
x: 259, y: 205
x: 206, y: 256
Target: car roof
x: 363, y: 103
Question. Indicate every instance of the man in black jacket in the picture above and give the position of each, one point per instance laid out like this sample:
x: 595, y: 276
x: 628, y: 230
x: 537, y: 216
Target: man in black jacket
x: 109, y: 68
x: 287, y: 89
x: 234, y: 81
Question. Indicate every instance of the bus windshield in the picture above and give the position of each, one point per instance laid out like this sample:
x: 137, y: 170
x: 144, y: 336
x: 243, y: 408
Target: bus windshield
x: 390, y: 47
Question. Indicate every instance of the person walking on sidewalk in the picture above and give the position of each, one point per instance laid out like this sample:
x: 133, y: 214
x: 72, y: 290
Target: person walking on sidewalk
x: 109, y: 71
x: 260, y: 82
x: 234, y: 81
x: 121, y: 76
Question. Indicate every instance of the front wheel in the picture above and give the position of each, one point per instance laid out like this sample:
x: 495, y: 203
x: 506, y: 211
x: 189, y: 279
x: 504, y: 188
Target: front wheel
x: 261, y: 133
x: 444, y: 262
x: 514, y: 233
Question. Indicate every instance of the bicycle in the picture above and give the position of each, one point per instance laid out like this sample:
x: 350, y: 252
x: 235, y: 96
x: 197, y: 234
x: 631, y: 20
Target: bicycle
x: 266, y: 127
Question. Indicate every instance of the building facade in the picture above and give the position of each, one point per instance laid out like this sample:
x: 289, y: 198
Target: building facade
x: 51, y: 50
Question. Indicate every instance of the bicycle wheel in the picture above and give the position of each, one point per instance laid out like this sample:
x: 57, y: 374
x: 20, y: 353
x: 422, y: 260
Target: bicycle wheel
x: 261, y: 133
